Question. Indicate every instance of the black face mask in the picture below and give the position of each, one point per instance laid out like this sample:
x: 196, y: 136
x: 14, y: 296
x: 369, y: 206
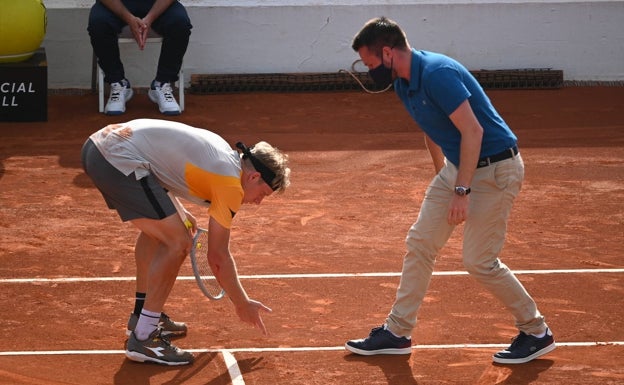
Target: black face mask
x: 381, y: 75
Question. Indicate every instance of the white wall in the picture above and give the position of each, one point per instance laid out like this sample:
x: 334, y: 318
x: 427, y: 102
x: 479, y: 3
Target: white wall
x: 585, y: 39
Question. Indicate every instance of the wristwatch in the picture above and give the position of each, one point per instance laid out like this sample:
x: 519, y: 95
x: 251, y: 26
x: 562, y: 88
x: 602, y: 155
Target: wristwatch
x: 461, y: 190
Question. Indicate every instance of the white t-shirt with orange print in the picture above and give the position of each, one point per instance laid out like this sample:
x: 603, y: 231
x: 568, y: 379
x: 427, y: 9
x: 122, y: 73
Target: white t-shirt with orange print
x: 192, y: 163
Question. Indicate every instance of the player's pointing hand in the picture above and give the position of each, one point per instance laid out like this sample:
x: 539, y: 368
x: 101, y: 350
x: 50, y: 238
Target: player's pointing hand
x: 250, y: 313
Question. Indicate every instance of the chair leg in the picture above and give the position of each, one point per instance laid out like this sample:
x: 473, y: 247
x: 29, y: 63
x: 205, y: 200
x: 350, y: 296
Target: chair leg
x: 181, y: 88
x: 97, y: 82
x: 100, y: 76
x: 94, y: 66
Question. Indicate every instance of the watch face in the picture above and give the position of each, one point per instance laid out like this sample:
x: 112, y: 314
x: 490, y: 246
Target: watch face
x: 461, y: 191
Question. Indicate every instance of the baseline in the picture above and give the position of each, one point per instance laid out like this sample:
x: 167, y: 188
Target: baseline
x: 299, y: 276
x: 234, y: 364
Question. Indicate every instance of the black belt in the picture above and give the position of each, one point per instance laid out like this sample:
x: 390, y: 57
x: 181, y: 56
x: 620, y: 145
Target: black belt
x: 488, y: 160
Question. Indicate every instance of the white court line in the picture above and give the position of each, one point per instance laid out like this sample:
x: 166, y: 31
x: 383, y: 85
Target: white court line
x: 300, y: 276
x: 235, y: 374
x: 226, y: 352
x: 230, y: 361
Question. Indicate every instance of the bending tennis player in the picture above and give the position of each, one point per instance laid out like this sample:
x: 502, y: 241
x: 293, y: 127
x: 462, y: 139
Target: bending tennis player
x: 134, y: 165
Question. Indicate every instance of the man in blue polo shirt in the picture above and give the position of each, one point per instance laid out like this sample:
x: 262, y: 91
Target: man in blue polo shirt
x: 479, y: 172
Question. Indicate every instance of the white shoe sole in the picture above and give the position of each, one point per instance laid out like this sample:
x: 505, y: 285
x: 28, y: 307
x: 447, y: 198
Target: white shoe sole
x: 164, y: 333
x: 138, y: 357
x: 524, y: 360
x: 379, y: 351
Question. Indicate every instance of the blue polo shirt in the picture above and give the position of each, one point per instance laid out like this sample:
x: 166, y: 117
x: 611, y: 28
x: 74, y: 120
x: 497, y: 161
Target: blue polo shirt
x: 438, y: 85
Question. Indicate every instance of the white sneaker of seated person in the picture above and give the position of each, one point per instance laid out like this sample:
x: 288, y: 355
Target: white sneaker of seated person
x: 120, y: 93
x: 162, y: 94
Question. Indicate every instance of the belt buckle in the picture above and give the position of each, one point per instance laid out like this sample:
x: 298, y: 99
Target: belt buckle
x: 483, y: 162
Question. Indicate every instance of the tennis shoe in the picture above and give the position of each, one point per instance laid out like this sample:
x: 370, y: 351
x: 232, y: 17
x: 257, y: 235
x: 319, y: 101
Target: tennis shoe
x: 525, y: 348
x: 157, y: 349
x: 162, y: 94
x: 120, y: 93
x: 380, y: 341
x: 169, y: 328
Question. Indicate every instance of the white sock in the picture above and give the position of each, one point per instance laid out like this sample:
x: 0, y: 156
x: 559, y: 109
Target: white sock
x: 541, y: 335
x: 148, y: 322
x: 391, y: 332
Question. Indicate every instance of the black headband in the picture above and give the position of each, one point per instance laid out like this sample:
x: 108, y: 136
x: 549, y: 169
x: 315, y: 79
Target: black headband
x: 266, y: 173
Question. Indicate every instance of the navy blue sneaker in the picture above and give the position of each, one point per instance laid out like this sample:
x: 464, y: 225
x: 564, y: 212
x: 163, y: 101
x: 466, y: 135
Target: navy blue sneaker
x: 525, y: 348
x: 380, y: 341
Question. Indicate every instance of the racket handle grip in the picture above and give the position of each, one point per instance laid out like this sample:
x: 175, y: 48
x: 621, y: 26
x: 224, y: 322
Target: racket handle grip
x: 180, y: 211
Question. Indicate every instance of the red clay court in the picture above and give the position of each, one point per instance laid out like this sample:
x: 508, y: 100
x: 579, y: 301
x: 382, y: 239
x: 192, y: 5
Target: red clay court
x: 326, y: 255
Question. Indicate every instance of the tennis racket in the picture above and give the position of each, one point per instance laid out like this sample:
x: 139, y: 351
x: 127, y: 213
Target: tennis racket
x: 204, y: 277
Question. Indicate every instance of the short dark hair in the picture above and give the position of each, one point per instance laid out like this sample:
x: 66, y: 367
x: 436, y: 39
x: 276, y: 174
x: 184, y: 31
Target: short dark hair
x: 378, y: 33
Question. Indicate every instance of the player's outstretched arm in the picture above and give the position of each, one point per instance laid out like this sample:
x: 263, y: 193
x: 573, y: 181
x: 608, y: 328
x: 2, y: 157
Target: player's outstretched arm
x: 224, y: 268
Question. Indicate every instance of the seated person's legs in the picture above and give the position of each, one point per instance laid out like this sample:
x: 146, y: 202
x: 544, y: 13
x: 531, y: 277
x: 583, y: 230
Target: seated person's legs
x: 174, y: 26
x: 104, y: 28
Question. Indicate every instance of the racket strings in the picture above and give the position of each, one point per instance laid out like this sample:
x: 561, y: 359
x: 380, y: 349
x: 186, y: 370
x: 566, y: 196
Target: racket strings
x: 201, y: 268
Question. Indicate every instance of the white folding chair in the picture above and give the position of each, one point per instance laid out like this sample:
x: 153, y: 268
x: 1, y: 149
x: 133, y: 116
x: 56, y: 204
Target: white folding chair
x: 97, y: 75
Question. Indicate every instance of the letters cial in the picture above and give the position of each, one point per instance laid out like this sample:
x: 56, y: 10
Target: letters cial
x: 16, y: 88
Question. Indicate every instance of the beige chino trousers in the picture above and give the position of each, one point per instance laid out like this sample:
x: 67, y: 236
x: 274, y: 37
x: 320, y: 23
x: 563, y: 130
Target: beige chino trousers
x: 493, y: 191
